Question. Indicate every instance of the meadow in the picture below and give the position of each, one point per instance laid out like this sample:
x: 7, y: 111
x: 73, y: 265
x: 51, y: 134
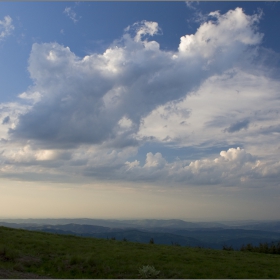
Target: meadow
x: 29, y: 254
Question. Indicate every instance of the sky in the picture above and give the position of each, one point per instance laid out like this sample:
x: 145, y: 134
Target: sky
x: 131, y: 110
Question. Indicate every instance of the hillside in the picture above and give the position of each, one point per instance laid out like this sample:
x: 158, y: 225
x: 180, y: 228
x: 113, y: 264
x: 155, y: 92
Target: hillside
x: 29, y: 254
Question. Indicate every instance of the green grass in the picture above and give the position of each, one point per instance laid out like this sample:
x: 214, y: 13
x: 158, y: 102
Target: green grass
x: 26, y: 254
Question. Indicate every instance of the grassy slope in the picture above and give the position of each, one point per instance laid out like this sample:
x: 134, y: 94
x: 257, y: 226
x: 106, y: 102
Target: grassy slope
x: 58, y: 256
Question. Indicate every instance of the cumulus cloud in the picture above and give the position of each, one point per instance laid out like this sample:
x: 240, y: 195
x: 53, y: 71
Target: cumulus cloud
x: 233, y: 167
x: 225, y: 34
x: 6, y: 27
x: 82, y: 100
x: 154, y: 161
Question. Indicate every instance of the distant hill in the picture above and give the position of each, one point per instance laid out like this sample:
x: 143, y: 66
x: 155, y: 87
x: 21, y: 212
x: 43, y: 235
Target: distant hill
x: 143, y: 223
x: 164, y: 232
x: 153, y: 223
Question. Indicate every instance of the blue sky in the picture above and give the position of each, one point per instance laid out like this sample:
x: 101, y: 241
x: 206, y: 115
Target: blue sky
x: 140, y: 109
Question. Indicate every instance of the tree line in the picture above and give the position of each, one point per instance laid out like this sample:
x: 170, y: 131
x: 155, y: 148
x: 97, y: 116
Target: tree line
x: 266, y: 248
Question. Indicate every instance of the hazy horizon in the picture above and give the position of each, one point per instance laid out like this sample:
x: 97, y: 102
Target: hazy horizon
x: 134, y: 219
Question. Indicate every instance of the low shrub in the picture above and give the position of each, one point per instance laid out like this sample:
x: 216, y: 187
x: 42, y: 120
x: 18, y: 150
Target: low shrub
x: 148, y: 272
x: 272, y: 248
x: 227, y: 248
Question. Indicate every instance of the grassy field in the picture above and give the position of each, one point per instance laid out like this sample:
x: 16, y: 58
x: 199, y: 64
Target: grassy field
x: 27, y: 254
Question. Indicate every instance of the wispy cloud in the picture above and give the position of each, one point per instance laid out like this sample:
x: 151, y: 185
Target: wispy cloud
x: 198, y: 16
x: 71, y: 14
x: 6, y: 27
x: 192, y: 4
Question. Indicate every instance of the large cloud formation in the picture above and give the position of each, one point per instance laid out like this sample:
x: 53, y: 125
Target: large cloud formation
x: 86, y: 100
x: 88, y: 116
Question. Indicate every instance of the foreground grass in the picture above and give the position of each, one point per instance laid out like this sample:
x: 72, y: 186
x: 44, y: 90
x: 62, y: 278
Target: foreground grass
x: 26, y: 254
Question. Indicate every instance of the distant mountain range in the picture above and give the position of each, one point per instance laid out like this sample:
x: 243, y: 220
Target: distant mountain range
x: 177, y: 232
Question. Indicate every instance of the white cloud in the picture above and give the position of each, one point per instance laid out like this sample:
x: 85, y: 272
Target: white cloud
x: 154, y: 161
x: 236, y: 155
x: 6, y: 27
x: 144, y: 28
x: 231, y: 31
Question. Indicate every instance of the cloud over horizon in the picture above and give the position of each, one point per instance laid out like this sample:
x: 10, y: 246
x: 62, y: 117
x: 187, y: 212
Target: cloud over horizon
x: 89, y: 115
